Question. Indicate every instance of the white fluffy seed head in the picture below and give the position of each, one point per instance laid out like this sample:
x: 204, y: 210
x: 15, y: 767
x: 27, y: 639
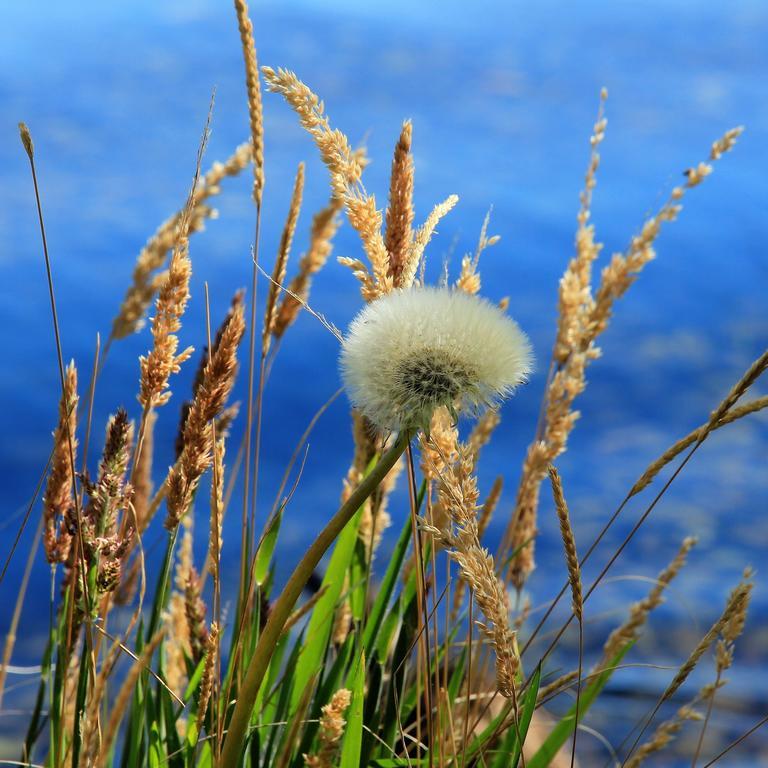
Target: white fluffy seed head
x: 411, y: 351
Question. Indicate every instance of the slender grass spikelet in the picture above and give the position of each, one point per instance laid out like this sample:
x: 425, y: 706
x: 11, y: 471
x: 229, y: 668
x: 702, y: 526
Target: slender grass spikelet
x: 399, y: 216
x: 253, y: 87
x: 331, y: 730
x: 639, y: 612
x: 325, y: 223
x: 58, y: 501
x: 663, y: 735
x: 146, y: 281
x: 410, y: 352
x: 281, y: 262
x: 569, y: 543
x: 584, y: 318
x: 209, y: 670
x: 142, y: 476
x: 216, y: 383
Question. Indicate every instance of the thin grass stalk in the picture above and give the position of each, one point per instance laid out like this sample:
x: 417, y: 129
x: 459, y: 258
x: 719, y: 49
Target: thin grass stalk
x: 26, y: 140
x: 10, y: 638
x: 692, y: 440
x: 281, y: 610
x: 422, y: 606
x: 89, y: 406
x: 124, y: 696
x: 734, y: 605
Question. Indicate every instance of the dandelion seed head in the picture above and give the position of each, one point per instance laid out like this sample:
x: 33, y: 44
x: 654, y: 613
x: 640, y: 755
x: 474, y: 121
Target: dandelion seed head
x: 411, y: 351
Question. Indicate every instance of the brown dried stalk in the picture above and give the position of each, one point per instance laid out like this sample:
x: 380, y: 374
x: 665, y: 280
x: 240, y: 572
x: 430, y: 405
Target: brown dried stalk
x: 325, y: 223
x: 142, y: 476
x: 162, y: 360
x: 638, y: 615
x: 146, y: 282
x: 238, y: 300
x: 195, y: 610
x: 569, y: 544
x: 582, y: 320
x: 663, y: 735
x: 399, y: 217
x: 281, y: 262
x: 58, y: 501
x: 209, y: 670
x: 458, y: 494
x: 331, y: 730
x: 212, y: 393
x: 693, y: 437
x: 346, y: 169
x: 253, y: 88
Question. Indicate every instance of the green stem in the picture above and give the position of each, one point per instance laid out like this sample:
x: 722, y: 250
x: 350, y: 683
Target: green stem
x: 257, y: 667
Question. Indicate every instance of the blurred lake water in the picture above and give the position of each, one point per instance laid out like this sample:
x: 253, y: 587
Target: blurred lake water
x: 503, y: 97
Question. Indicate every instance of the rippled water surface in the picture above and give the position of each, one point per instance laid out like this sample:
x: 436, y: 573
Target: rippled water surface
x: 502, y: 97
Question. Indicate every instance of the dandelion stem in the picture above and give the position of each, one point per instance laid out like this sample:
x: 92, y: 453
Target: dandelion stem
x: 281, y: 610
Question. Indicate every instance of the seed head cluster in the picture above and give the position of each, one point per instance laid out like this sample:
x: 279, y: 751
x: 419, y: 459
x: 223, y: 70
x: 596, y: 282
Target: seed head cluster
x: 411, y: 351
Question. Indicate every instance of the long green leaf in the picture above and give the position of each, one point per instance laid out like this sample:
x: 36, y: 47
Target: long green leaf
x: 321, y: 622
x: 353, y: 735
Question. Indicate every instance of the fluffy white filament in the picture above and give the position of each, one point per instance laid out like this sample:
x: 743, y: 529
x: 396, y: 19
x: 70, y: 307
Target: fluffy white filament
x: 411, y: 351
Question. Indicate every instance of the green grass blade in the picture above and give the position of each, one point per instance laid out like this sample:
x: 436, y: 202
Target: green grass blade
x: 353, y: 735
x: 321, y: 621
x: 267, y: 548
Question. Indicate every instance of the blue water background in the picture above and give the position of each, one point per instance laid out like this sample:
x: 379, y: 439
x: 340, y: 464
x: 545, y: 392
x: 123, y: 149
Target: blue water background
x: 503, y: 97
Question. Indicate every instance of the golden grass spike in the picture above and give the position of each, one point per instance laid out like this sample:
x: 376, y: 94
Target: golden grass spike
x: 458, y: 494
x: 26, y: 140
x: 675, y: 450
x: 638, y: 614
x: 399, y: 217
x: 253, y: 88
x: 567, y: 379
x: 623, y: 269
x: 663, y: 735
x: 422, y: 237
x: 58, y: 499
x: 281, y: 262
x: 215, y: 538
x: 209, y: 670
x: 575, y: 300
x: 345, y: 167
x: 483, y: 430
x: 325, y: 223
x: 145, y: 283
x: 211, y: 396
x: 142, y: 476
x: 469, y: 279
x: 569, y: 543
x: 734, y: 607
x: 343, y: 163
x: 332, y: 725
x: 163, y: 360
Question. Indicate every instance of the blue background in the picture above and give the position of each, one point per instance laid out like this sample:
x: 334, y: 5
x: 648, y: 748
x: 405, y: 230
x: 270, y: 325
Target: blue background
x: 503, y: 97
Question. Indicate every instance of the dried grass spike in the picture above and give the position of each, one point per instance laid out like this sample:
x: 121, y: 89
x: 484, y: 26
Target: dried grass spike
x: 281, y: 262
x: 253, y: 88
x: 58, y: 499
x: 399, y: 216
